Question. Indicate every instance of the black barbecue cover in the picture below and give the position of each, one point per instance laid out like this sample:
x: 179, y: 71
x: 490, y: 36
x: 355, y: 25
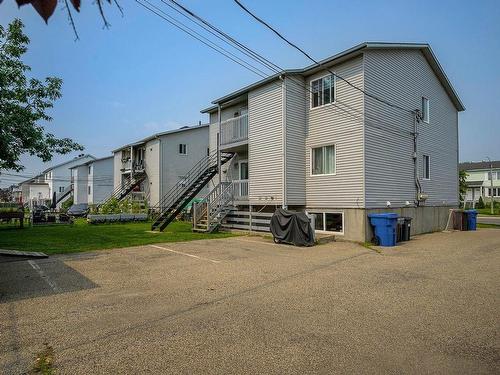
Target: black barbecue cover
x: 292, y: 227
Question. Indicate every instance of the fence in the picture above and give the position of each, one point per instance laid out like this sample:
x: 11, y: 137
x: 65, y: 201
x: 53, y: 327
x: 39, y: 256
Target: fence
x: 249, y: 221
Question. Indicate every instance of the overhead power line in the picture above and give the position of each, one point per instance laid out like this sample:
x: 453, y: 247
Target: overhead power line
x: 261, y: 21
x: 231, y: 41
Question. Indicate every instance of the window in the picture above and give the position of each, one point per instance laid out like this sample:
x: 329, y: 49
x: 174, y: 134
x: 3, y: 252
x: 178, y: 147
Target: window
x: 61, y: 189
x: 426, y: 167
x: 329, y: 221
x: 89, y: 189
x: 323, y: 160
x: 496, y: 175
x: 182, y: 149
x: 493, y: 192
x: 90, y: 169
x: 425, y: 109
x: 323, y: 91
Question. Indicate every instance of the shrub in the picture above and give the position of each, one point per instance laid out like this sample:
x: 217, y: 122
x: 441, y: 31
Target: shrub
x: 67, y: 204
x: 480, y: 203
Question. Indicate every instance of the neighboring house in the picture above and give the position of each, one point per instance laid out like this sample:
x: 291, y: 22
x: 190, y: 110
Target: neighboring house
x: 150, y: 167
x: 92, y: 180
x: 58, y: 177
x: 307, y: 140
x: 479, y: 182
x: 34, y: 191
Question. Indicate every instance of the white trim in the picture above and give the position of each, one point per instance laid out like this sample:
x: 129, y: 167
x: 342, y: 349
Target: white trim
x: 334, y: 160
x: 423, y: 167
x: 334, y: 91
x: 428, y: 112
x: 327, y: 211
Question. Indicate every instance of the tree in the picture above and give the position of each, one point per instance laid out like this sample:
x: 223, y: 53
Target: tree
x: 46, y: 8
x: 23, y: 105
x: 462, y: 185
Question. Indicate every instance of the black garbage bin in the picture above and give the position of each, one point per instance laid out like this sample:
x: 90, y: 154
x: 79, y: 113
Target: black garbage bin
x: 406, y: 231
x: 404, y: 228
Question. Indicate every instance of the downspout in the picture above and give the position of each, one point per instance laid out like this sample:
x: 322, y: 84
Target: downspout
x: 219, y: 171
x: 283, y: 132
x: 418, y: 186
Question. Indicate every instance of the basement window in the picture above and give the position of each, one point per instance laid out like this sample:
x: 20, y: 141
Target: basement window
x: 323, y: 91
x: 328, y: 221
x: 182, y: 149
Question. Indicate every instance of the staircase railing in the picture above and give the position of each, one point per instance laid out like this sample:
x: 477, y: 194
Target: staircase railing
x: 121, y: 189
x: 64, y: 193
x: 183, y: 185
x: 210, y: 208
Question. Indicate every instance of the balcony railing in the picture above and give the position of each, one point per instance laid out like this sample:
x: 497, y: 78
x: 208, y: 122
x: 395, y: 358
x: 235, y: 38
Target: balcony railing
x: 234, y: 130
x: 240, y: 189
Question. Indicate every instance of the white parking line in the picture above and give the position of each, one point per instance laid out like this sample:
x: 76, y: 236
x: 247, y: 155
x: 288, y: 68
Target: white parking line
x: 186, y: 254
x: 44, y: 276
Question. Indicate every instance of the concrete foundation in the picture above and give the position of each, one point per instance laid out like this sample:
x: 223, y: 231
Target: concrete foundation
x: 425, y: 219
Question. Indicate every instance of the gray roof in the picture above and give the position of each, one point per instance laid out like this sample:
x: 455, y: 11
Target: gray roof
x: 156, y: 135
x: 67, y: 162
x: 473, y: 165
x: 346, y: 55
x: 92, y: 161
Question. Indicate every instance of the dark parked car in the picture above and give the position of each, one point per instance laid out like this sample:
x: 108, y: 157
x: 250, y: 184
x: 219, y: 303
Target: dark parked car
x: 79, y: 210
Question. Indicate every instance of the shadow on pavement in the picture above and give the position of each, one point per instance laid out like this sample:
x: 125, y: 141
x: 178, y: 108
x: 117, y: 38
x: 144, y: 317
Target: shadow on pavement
x: 31, y: 278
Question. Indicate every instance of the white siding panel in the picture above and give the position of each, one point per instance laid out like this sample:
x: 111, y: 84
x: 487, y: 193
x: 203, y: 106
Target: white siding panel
x: 341, y: 124
x: 265, y: 144
x: 403, y: 77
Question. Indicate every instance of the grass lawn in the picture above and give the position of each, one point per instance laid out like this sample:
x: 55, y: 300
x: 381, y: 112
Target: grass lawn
x: 83, y: 237
x: 495, y: 226
x: 487, y: 211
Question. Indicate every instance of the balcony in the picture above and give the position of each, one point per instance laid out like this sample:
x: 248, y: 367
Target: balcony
x: 234, y: 130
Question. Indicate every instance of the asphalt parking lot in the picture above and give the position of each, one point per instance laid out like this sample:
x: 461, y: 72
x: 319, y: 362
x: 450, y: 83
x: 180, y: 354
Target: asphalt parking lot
x: 247, y: 306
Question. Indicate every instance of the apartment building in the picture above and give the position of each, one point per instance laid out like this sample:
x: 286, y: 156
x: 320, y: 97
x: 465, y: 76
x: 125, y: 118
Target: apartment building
x: 379, y: 134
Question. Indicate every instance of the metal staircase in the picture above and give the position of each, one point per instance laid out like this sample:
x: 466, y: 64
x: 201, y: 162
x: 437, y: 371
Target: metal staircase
x: 186, y: 189
x: 211, y: 210
x: 122, y: 191
x: 63, y: 194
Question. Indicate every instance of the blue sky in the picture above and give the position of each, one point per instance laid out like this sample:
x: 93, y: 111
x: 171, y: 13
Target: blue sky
x: 142, y: 75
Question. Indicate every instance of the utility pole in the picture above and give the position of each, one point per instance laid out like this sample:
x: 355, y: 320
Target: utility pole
x: 491, y: 185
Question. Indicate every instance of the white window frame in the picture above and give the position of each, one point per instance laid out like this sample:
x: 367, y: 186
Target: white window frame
x: 185, y: 149
x: 334, y: 160
x: 90, y: 169
x: 423, y: 167
x: 316, y: 212
x: 334, y: 77
x: 426, y: 112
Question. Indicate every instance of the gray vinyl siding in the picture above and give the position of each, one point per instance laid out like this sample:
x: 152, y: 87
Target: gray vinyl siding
x: 341, y: 124
x: 295, y: 104
x: 102, y: 180
x: 265, y: 144
x: 175, y: 165
x: 403, y: 77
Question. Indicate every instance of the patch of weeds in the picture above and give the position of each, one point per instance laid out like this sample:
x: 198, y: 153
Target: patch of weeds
x: 369, y: 246
x: 44, y: 362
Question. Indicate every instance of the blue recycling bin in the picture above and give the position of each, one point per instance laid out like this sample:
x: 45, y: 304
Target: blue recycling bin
x: 384, y: 226
x: 471, y: 219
